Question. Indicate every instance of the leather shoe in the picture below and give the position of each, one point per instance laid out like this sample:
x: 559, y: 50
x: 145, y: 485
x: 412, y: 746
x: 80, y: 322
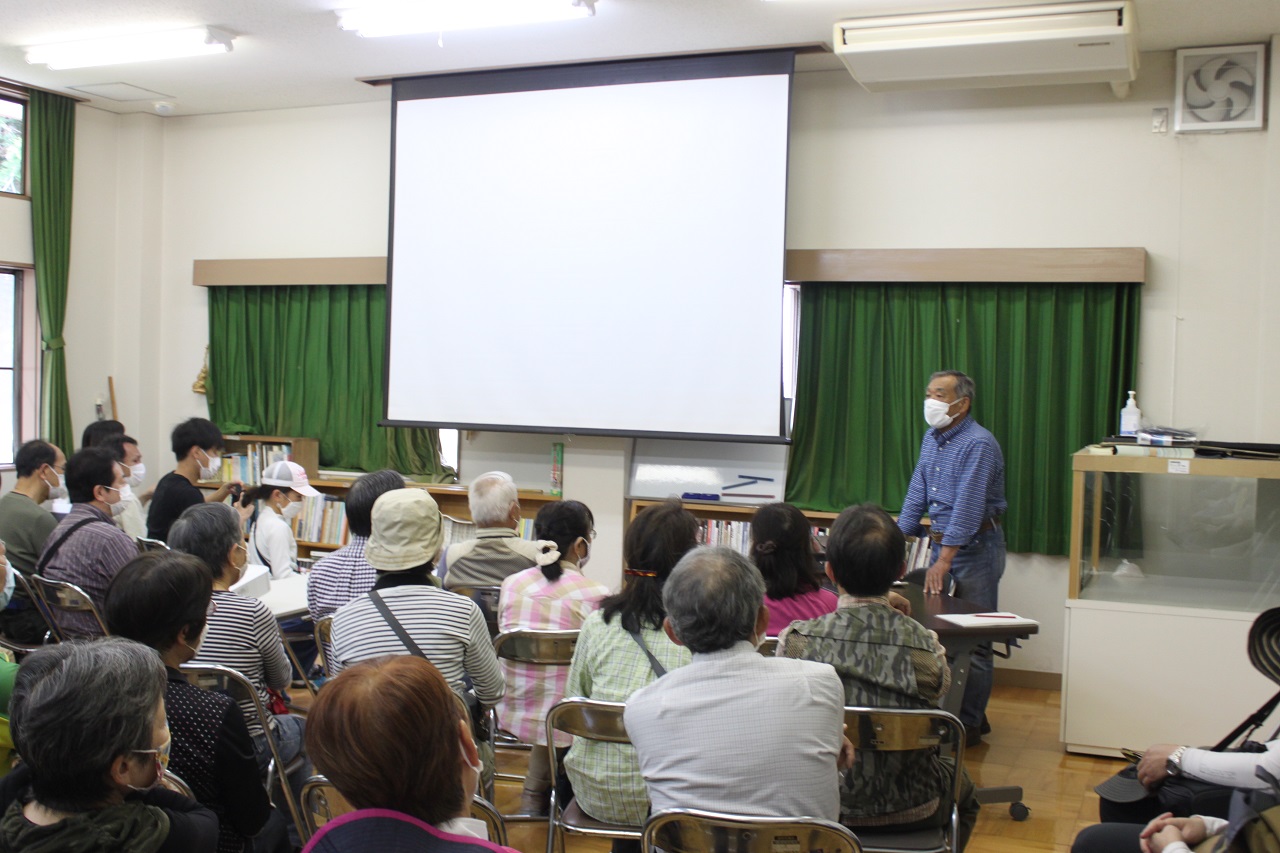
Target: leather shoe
x: 972, y: 736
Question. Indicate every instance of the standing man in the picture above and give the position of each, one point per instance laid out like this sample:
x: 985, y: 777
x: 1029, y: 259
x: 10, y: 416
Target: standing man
x: 197, y: 445
x: 959, y: 482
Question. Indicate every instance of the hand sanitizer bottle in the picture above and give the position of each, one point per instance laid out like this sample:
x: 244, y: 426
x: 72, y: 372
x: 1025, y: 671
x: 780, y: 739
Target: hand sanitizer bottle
x: 1130, y: 417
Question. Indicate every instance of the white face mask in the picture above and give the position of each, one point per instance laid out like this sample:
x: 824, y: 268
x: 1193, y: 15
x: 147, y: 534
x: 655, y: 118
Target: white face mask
x: 195, y: 650
x: 586, y: 558
x: 291, y: 510
x: 126, y: 493
x: 936, y: 413
x: 59, y: 491
x: 136, y: 473
x: 479, y: 771
x: 213, y: 466
x: 117, y: 508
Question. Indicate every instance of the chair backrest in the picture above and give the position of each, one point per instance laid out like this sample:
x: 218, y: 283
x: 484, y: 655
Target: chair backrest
x: 486, y: 598
x: 542, y: 648
x: 588, y: 718
x: 695, y: 831
x: 21, y: 584
x: 174, y: 783
x: 61, y: 597
x: 324, y: 643
x: 145, y: 544
x: 769, y: 648
x: 483, y: 810
x: 222, y: 679
x: 321, y: 803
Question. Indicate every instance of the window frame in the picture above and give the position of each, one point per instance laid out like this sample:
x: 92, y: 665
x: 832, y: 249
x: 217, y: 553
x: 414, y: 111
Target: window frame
x: 25, y: 358
x: 15, y: 96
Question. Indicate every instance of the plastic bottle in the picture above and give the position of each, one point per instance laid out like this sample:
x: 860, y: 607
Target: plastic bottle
x: 1130, y: 416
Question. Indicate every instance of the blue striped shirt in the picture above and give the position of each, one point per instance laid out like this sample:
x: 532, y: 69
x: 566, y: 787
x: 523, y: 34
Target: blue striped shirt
x: 959, y: 482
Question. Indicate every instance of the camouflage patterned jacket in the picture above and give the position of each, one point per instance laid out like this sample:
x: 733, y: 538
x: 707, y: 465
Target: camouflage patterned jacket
x: 885, y: 660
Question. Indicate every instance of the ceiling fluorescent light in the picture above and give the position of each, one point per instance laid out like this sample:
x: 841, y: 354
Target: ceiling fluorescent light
x: 133, y: 47
x: 435, y: 16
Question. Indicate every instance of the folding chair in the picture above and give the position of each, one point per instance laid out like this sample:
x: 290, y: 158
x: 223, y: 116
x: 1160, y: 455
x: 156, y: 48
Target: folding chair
x: 174, y: 783
x: 60, y: 598
x: 769, y: 648
x: 537, y: 648
x: 324, y: 644
x: 695, y: 831
x: 289, y: 638
x: 20, y: 584
x: 145, y: 544
x: 583, y: 718
x: 483, y: 810
x: 486, y: 598
x: 903, y: 730
x: 322, y: 802
x: 221, y: 679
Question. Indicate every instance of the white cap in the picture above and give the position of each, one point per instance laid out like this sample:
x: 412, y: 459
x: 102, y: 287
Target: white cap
x: 289, y: 475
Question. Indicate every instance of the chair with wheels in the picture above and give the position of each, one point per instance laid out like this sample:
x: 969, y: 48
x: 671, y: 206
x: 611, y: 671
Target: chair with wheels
x: 61, y: 598
x: 222, y: 679
x: 696, y: 831
x: 593, y: 720
x: 902, y: 730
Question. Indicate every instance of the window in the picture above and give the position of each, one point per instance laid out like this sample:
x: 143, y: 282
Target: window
x: 10, y: 363
x: 13, y: 128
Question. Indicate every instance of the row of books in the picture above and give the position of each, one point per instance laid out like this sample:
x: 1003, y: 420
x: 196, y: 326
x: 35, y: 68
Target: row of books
x: 247, y: 467
x: 323, y: 520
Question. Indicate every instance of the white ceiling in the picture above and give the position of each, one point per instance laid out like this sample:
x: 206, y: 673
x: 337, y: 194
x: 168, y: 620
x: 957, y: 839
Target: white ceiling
x: 290, y: 53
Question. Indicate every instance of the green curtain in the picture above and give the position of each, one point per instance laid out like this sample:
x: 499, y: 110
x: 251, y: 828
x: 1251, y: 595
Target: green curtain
x: 51, y: 136
x: 307, y: 361
x: 1051, y: 363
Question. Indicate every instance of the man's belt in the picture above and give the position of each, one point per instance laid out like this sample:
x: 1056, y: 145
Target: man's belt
x: 935, y: 536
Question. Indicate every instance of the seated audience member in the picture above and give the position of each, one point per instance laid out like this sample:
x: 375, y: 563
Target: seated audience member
x: 782, y: 549
x: 197, y: 445
x: 446, y: 628
x: 551, y: 596
x: 86, y: 548
x: 89, y: 720
x: 279, y: 502
x: 242, y: 632
x: 97, y: 433
x: 497, y: 551
x: 162, y: 599
x: 885, y: 660
x: 610, y: 663
x: 396, y: 713
x: 708, y: 735
x: 24, y: 526
x: 124, y: 448
x: 345, y: 574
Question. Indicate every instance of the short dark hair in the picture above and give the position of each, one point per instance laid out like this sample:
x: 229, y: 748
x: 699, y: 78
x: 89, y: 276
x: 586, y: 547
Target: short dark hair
x: 208, y: 531
x: 782, y: 549
x: 86, y: 469
x: 114, y: 444
x: 156, y: 595
x: 195, y: 432
x: 866, y: 550
x: 76, y: 707
x: 99, y: 431
x: 655, y: 541
x: 713, y: 599
x: 362, y: 495
x: 33, y: 456
x: 562, y: 522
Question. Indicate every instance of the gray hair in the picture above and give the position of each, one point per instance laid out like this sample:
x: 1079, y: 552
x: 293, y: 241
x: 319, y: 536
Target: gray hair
x: 76, y: 707
x: 490, y: 497
x: 713, y: 598
x: 964, y: 385
x: 208, y: 531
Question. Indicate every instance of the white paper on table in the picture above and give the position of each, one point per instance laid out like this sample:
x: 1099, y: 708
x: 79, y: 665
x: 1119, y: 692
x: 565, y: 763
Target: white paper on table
x: 988, y: 620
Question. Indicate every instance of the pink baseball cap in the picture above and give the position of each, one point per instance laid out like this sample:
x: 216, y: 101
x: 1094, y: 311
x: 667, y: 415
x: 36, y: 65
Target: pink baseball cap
x: 289, y: 475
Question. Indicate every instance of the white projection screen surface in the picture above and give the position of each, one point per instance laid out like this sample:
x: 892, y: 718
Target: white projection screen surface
x: 591, y: 249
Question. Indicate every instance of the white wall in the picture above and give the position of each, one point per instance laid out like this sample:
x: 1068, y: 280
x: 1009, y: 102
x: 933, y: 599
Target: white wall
x: 1051, y: 166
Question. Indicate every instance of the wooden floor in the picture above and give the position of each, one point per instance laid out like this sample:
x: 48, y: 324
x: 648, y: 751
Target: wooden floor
x: 1022, y: 749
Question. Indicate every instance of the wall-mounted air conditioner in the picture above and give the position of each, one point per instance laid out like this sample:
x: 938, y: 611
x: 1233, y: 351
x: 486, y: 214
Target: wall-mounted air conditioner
x: 1093, y: 42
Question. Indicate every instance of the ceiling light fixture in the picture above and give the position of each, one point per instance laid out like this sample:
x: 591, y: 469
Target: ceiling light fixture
x: 435, y: 16
x: 131, y: 47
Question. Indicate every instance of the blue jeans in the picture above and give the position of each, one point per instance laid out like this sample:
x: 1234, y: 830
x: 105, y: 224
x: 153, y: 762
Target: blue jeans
x: 977, y: 569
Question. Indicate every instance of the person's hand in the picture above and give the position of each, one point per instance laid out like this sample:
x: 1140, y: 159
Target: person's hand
x: 224, y: 491
x: 1166, y: 829
x: 933, y: 579
x: 899, y: 603
x: 848, y: 755
x: 1153, y: 768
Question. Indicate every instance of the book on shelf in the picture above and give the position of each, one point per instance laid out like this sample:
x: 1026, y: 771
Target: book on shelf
x: 323, y: 521
x: 247, y: 467
x: 460, y: 530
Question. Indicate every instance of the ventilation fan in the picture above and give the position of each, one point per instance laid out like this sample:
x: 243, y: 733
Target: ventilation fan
x: 1220, y: 88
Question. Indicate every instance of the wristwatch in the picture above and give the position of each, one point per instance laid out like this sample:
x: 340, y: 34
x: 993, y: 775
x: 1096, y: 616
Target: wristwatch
x: 1173, y: 764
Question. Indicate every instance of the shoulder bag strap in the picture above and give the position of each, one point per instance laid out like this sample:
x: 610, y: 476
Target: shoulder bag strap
x: 658, y: 669
x: 391, y: 620
x: 53, y: 549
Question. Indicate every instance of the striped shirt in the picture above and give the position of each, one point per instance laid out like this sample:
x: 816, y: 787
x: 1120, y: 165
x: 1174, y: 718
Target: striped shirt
x: 609, y: 666
x: 89, y: 558
x: 243, y: 635
x: 447, y: 627
x: 959, y: 481
x: 529, y: 601
x: 339, y: 578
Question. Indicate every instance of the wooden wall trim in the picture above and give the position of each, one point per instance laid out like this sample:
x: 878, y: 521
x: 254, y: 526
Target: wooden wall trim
x: 967, y: 265
x: 282, y: 271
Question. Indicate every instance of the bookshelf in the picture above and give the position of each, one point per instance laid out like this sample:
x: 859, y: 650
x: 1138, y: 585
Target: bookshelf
x: 245, y: 456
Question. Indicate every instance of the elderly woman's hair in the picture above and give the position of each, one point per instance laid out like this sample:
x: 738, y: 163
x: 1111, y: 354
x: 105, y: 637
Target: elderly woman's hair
x: 564, y: 523
x: 782, y: 549
x: 208, y: 531
x: 156, y: 595
x: 713, y: 598
x: 490, y: 496
x: 385, y: 732
x: 364, y: 493
x: 655, y: 541
x: 75, y: 708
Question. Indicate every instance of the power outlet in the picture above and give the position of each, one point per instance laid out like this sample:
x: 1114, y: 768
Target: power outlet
x: 1160, y: 120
